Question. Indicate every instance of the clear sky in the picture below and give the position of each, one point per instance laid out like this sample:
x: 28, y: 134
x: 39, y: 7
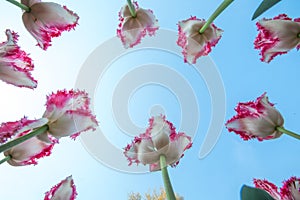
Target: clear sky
x: 186, y: 96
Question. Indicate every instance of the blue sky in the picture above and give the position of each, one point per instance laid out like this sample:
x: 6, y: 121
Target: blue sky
x: 231, y: 163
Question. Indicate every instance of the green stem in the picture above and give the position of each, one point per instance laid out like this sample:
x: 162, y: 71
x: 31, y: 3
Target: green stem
x: 131, y: 8
x: 23, y: 138
x: 298, y: 35
x: 165, y: 175
x: 290, y: 133
x: 217, y: 12
x: 20, y: 5
x: 7, y: 158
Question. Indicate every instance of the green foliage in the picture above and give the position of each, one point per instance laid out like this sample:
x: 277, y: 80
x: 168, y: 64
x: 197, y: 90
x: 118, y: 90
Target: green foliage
x: 264, y: 6
x: 250, y: 193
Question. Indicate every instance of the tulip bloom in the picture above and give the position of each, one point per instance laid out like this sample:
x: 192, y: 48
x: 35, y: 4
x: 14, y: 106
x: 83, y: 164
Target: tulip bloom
x: 132, y: 29
x: 65, y: 190
x: 194, y: 43
x: 277, y: 36
x: 159, y: 139
x: 46, y: 20
x: 68, y: 114
x: 289, y: 191
x: 257, y: 119
x: 10, y: 129
x: 15, y: 64
x: 30, y: 150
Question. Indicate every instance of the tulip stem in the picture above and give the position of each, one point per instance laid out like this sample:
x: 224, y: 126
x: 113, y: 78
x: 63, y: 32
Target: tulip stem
x: 217, y: 12
x: 131, y: 8
x: 290, y: 133
x: 20, y: 5
x: 7, y: 158
x: 23, y: 138
x: 298, y: 35
x: 166, y: 179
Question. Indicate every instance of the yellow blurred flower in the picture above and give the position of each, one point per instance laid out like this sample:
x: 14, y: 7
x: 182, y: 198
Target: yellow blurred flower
x: 155, y: 196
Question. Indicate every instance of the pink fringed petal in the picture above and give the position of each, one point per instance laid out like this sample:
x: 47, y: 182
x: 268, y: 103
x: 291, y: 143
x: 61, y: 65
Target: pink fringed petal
x: 268, y: 187
x: 65, y: 190
x: 47, y: 20
x: 10, y: 129
x: 46, y: 151
x: 131, y: 30
x: 291, y: 189
x: 131, y: 151
x: 276, y: 36
x: 265, y: 43
x: 179, y: 143
x: 28, y: 152
x: 61, y: 101
x: 69, y: 114
x: 15, y: 64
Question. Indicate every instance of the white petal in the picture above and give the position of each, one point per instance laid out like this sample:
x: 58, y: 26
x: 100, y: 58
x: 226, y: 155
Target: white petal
x: 146, y: 153
x: 71, y: 123
x: 286, y: 31
x: 64, y: 192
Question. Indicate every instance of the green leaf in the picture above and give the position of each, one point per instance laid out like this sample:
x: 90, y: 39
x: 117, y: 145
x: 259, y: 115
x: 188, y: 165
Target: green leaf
x: 265, y: 5
x: 250, y: 193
